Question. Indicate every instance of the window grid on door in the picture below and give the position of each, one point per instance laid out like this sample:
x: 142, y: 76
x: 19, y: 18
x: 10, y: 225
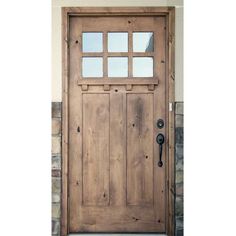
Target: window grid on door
x: 118, y: 54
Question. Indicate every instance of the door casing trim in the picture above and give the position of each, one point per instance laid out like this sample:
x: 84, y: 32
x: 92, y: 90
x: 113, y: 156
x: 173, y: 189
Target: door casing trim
x: 169, y: 13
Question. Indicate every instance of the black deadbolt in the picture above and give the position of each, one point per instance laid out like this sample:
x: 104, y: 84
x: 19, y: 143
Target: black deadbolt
x: 160, y: 123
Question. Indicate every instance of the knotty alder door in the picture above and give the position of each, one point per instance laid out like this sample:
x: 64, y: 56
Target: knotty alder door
x: 117, y: 70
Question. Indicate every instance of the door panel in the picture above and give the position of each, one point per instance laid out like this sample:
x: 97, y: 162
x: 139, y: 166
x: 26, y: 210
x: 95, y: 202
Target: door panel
x: 139, y: 149
x: 95, y: 149
x: 115, y: 184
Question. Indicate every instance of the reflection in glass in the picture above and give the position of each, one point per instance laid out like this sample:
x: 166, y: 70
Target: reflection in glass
x: 117, y: 66
x: 92, y: 67
x: 92, y: 42
x: 142, y: 67
x: 118, y: 42
x: 143, y: 42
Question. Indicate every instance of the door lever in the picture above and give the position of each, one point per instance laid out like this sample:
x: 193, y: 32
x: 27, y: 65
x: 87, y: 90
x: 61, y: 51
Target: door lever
x: 160, y: 140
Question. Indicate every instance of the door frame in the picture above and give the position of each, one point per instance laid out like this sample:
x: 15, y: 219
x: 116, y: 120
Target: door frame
x: 169, y: 13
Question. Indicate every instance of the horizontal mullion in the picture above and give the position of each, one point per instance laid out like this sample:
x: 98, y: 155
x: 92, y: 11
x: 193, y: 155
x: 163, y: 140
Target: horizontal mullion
x: 101, y: 54
x: 143, y: 54
x: 118, y: 54
x: 92, y: 54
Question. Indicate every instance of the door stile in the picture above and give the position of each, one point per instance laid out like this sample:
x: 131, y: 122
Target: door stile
x: 75, y: 125
x: 159, y: 179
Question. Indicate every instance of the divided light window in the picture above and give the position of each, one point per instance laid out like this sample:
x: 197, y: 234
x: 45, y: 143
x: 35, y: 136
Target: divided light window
x: 117, y: 54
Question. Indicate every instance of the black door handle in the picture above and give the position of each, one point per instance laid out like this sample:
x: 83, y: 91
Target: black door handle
x: 160, y: 140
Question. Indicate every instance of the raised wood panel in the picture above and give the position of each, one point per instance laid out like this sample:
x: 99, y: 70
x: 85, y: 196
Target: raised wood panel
x: 139, y: 149
x: 96, y: 149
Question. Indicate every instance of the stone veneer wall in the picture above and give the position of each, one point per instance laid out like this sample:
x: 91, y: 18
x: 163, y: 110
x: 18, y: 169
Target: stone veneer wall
x: 56, y: 167
x: 179, y: 216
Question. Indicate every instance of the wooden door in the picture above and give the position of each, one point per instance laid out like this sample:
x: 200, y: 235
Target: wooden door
x: 117, y: 93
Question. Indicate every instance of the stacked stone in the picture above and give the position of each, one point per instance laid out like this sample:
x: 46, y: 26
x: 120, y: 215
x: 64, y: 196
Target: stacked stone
x: 56, y: 167
x: 179, y: 215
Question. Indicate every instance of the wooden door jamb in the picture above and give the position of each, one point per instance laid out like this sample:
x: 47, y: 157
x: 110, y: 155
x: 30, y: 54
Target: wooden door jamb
x: 169, y: 13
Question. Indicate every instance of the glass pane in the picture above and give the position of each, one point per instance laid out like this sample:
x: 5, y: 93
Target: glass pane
x: 117, y: 66
x: 117, y: 42
x: 142, y: 67
x: 92, y: 42
x: 92, y: 67
x: 143, y: 42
